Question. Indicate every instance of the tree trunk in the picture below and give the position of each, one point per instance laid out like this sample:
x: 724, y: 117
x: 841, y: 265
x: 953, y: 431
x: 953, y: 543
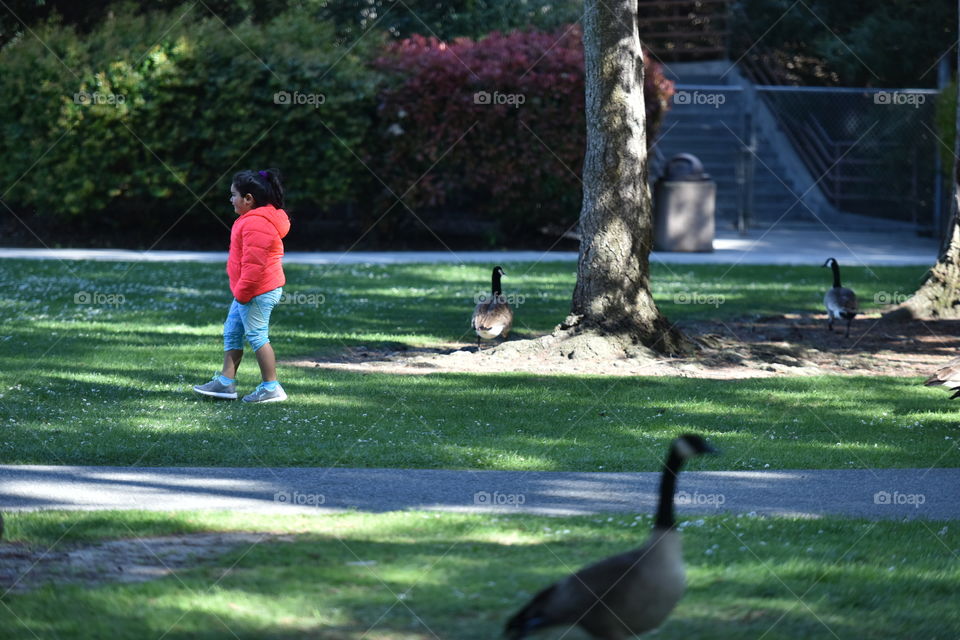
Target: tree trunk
x: 939, y: 295
x: 612, y: 294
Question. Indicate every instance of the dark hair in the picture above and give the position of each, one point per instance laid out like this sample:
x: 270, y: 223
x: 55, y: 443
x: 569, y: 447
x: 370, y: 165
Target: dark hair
x: 263, y: 185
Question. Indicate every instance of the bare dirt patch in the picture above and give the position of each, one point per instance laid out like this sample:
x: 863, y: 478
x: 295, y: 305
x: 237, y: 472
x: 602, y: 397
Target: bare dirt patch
x: 782, y: 345
x: 23, y: 568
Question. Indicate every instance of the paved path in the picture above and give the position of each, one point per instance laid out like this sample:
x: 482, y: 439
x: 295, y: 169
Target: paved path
x: 881, y: 493
x: 779, y: 246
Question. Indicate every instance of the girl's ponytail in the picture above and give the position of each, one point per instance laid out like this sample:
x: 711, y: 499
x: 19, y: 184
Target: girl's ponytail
x: 263, y: 185
x: 276, y: 187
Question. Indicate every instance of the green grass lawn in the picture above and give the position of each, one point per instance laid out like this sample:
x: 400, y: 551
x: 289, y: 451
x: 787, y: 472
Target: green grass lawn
x: 110, y: 384
x: 419, y: 576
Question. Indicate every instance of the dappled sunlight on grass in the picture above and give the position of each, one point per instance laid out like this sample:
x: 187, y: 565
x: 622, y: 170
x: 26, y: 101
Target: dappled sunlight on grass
x: 506, y: 421
x: 461, y: 576
x: 85, y: 383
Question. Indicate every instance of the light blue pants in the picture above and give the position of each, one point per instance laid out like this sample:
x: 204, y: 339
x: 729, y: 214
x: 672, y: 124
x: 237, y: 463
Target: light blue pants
x: 250, y: 321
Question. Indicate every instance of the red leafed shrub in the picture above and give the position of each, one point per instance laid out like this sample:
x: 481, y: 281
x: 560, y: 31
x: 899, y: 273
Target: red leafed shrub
x: 493, y: 127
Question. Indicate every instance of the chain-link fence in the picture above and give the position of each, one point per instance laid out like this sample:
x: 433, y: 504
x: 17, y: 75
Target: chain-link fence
x: 785, y: 154
x: 871, y: 152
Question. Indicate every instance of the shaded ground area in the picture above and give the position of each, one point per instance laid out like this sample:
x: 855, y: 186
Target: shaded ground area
x: 23, y: 567
x: 779, y: 345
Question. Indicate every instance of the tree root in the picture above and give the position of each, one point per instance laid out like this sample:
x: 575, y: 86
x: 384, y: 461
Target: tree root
x: 575, y: 339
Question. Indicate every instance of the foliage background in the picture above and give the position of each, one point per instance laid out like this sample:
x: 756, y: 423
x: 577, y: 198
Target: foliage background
x: 135, y: 124
x: 198, y: 82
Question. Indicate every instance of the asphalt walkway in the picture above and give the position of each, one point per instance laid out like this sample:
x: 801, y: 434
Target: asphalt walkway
x: 777, y: 246
x: 876, y: 494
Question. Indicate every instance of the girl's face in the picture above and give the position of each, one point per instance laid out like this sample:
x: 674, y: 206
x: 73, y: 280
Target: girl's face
x: 241, y: 204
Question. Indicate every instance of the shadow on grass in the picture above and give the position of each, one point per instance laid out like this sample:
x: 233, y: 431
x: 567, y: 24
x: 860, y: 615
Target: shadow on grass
x: 410, y: 575
x: 477, y: 421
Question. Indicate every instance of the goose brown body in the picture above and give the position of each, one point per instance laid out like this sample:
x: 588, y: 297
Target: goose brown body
x: 493, y: 317
x: 626, y: 594
x: 947, y: 376
x: 841, y: 302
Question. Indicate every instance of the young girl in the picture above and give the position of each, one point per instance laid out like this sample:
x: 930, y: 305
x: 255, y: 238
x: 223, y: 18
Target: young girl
x: 256, y: 281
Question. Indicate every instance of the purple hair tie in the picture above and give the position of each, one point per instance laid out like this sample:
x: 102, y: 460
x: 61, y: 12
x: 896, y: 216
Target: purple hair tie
x: 262, y: 173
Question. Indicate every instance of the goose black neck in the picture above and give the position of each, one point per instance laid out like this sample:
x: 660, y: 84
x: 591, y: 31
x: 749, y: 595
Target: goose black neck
x: 497, y: 292
x: 836, y: 274
x: 668, y: 484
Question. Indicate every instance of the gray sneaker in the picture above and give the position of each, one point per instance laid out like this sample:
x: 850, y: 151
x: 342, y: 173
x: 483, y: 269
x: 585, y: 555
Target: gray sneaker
x: 260, y: 394
x: 217, y: 389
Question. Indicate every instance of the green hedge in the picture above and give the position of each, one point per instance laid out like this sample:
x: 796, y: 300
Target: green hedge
x: 131, y: 130
x: 158, y: 125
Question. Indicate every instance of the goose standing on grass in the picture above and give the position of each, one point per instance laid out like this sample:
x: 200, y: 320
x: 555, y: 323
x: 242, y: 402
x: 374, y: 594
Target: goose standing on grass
x: 947, y: 376
x: 626, y: 594
x: 839, y: 301
x: 492, y: 316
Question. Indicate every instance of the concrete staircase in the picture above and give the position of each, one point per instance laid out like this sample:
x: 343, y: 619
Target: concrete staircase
x: 706, y: 119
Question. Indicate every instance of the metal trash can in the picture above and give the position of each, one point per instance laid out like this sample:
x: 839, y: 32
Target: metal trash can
x: 684, y: 205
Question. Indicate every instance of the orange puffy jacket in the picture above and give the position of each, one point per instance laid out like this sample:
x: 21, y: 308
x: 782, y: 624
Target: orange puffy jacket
x: 256, y: 251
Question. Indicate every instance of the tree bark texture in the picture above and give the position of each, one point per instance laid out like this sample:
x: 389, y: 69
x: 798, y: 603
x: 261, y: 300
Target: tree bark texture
x: 612, y: 294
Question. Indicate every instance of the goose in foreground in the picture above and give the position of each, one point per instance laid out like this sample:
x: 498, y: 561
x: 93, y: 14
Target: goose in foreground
x: 492, y: 316
x: 947, y: 376
x: 839, y: 301
x: 626, y: 594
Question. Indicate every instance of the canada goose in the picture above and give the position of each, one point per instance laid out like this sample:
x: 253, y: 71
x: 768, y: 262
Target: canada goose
x: 492, y: 316
x: 839, y: 301
x: 947, y: 376
x: 627, y: 594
